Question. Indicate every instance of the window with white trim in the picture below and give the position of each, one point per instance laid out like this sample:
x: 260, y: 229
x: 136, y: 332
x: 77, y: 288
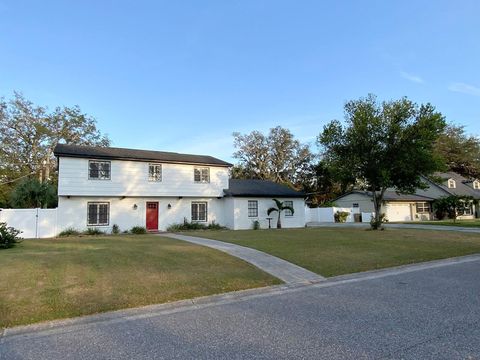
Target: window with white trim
x: 355, y: 205
x: 252, y: 208
x: 452, y: 184
x: 288, y: 212
x: 423, y: 207
x: 476, y: 185
x: 98, y: 213
x: 199, y: 211
x: 467, y: 209
x: 99, y: 170
x: 201, y: 175
x: 155, y: 172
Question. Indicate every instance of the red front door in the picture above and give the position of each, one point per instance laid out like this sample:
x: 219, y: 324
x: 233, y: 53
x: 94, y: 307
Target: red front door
x: 152, y: 215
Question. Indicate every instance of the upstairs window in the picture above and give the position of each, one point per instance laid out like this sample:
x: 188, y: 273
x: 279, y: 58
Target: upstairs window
x: 252, y: 208
x: 98, y: 213
x: 201, y: 175
x: 452, y: 184
x: 476, y: 185
x: 355, y: 205
x: 155, y: 172
x: 288, y: 212
x: 423, y: 207
x: 199, y: 211
x: 99, y: 170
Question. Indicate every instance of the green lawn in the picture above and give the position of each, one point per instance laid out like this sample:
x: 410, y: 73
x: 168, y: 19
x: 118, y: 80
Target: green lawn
x: 59, y: 278
x: 336, y: 251
x: 462, y: 223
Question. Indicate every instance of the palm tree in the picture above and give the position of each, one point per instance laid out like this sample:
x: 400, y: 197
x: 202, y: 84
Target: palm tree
x: 280, y: 207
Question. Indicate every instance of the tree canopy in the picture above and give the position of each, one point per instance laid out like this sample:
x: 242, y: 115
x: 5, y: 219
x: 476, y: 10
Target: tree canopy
x: 383, y: 145
x: 277, y: 156
x: 461, y: 152
x: 28, y: 134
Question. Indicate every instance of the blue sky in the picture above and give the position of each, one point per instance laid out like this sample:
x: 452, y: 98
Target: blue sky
x: 183, y: 75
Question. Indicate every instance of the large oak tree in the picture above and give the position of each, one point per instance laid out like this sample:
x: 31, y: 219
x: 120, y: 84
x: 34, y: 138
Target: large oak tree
x: 28, y: 134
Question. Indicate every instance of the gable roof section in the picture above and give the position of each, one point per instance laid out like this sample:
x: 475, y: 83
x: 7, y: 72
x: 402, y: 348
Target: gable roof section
x: 260, y: 188
x: 389, y: 196
x: 112, y: 153
x: 462, y: 188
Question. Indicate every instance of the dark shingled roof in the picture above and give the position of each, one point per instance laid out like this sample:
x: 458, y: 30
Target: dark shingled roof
x: 391, y: 196
x: 113, y: 153
x: 260, y: 188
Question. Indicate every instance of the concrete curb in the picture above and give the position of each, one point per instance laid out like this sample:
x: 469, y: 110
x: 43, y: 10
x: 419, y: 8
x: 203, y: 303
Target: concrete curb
x: 144, y: 312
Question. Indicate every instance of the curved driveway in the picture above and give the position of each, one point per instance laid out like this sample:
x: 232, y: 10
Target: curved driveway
x: 281, y: 269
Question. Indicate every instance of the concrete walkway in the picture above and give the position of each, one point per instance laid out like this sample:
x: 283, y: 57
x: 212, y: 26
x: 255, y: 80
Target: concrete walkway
x: 281, y: 269
x: 399, y: 226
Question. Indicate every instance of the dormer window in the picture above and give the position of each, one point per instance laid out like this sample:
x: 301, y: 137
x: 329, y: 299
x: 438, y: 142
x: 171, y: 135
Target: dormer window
x: 476, y: 185
x: 451, y: 184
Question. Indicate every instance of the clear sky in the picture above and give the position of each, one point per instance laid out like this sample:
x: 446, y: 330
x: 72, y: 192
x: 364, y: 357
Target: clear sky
x: 183, y: 75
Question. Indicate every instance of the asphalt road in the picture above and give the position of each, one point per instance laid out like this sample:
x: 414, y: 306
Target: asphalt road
x: 428, y: 314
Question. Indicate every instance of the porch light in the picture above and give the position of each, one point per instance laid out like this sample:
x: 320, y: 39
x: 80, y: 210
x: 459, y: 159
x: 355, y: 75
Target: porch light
x: 169, y: 206
x: 135, y: 207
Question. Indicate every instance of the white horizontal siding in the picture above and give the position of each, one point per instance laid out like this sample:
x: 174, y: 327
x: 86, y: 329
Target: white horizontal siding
x: 130, y: 178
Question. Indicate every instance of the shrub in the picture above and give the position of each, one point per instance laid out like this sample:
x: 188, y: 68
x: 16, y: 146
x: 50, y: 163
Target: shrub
x: 94, y: 231
x: 138, y: 230
x: 256, y: 225
x: 375, y: 225
x: 115, y: 229
x: 185, y: 226
x: 341, y: 216
x: 8, y: 236
x: 69, y: 232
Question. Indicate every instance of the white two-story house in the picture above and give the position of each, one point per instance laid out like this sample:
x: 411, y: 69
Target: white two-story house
x: 102, y: 186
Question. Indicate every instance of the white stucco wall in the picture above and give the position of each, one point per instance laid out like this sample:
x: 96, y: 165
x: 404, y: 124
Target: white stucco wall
x: 72, y: 212
x: 243, y: 221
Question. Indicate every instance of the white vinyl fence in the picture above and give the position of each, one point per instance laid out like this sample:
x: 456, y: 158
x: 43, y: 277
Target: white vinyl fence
x: 34, y: 223
x: 328, y: 214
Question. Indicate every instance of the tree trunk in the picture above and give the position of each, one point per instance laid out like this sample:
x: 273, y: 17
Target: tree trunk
x: 377, y: 205
x: 279, y: 223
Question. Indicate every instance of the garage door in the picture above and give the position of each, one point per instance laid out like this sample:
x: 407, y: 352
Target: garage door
x: 398, y: 212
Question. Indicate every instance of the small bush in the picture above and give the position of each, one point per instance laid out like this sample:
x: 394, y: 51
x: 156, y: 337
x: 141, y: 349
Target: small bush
x: 138, y: 230
x: 115, y: 229
x: 185, y: 226
x: 94, y: 231
x: 341, y: 216
x: 8, y: 236
x: 375, y: 225
x: 256, y: 225
x: 69, y: 232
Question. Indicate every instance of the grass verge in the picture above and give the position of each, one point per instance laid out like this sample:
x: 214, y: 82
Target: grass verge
x: 336, y: 251
x: 59, y: 278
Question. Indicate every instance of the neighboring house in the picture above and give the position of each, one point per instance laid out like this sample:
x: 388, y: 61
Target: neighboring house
x: 99, y: 187
x: 417, y: 206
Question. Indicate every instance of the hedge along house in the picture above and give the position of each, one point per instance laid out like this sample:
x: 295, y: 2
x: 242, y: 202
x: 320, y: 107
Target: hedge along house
x: 102, y: 186
x: 418, y: 206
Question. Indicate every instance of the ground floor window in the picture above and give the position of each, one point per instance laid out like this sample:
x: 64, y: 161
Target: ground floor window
x: 288, y: 212
x: 423, y: 207
x: 98, y: 213
x: 466, y: 210
x: 199, y: 211
x: 252, y: 208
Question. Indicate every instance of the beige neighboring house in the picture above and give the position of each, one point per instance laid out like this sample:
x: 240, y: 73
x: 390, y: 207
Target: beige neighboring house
x: 417, y: 206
